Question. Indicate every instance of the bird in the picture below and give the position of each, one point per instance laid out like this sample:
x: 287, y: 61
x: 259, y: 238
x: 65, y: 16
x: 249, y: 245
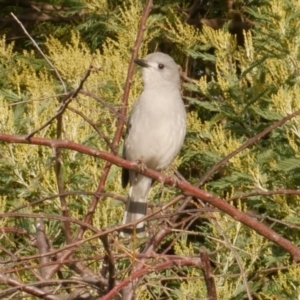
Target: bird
x: 155, y: 133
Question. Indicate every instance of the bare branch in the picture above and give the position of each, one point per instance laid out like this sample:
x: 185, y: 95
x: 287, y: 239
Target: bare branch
x: 196, y: 262
x: 43, y: 246
x: 30, y: 290
x: 187, y: 188
x: 208, y: 276
x: 41, y: 52
x: 68, y: 98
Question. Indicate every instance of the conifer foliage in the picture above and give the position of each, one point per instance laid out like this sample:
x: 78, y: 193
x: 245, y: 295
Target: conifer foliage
x: 226, y: 228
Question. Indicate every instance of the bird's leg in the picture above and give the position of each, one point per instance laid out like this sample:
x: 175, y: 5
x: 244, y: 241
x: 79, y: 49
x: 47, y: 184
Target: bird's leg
x: 141, y: 167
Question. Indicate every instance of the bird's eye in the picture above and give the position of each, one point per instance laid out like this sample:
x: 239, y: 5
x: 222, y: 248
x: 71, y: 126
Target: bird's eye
x: 161, y: 66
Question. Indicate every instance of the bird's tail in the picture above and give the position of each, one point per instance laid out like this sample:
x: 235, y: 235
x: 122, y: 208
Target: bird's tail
x: 136, y: 205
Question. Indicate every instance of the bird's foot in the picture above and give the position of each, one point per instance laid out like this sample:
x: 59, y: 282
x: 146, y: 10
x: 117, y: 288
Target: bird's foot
x: 141, y: 166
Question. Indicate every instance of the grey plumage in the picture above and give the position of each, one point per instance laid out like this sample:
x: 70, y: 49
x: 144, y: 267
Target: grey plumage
x: 155, y: 131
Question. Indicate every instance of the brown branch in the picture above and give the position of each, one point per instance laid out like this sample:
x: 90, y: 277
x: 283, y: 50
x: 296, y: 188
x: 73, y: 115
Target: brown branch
x: 43, y: 247
x: 184, y: 186
x: 91, y: 278
x: 208, y: 276
x: 151, y: 246
x: 110, y: 262
x: 59, y: 162
x: 248, y: 143
x: 171, y: 263
x: 14, y: 230
x: 47, y: 216
x: 52, y: 217
x: 59, y: 175
x: 30, y: 290
x: 110, y: 195
x: 9, y: 291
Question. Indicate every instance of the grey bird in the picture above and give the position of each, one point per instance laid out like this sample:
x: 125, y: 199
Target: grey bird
x: 155, y: 132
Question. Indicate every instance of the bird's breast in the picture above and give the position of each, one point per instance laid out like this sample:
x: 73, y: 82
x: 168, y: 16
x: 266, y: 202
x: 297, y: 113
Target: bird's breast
x: 157, y: 131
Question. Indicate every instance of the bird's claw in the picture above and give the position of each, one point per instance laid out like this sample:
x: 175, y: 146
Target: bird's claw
x: 141, y: 166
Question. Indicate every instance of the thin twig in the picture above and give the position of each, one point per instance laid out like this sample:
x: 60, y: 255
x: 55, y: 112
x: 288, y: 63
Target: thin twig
x: 110, y: 262
x: 69, y: 193
x: 32, y: 100
x: 208, y: 276
x: 110, y: 107
x: 196, y: 262
x: 152, y: 244
x: 60, y: 179
x: 238, y: 260
x: 68, y: 98
x: 43, y: 247
x: 89, y: 121
x: 248, y: 143
x: 30, y: 290
x: 41, y: 52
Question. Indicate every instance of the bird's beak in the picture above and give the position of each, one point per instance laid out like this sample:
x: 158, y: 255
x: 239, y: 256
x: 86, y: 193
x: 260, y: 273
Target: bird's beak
x: 141, y: 63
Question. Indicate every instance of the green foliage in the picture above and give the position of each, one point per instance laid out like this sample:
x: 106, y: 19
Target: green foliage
x: 246, y: 90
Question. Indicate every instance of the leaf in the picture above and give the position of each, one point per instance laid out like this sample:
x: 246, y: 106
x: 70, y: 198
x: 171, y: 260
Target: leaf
x: 267, y: 114
x: 289, y: 164
x: 9, y: 95
x: 203, y: 56
x: 211, y: 106
x: 232, y: 180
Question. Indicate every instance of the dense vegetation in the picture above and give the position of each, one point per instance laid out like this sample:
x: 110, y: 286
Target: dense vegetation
x: 66, y: 87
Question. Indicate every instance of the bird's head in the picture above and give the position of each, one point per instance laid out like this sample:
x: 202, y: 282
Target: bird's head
x: 159, y: 69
